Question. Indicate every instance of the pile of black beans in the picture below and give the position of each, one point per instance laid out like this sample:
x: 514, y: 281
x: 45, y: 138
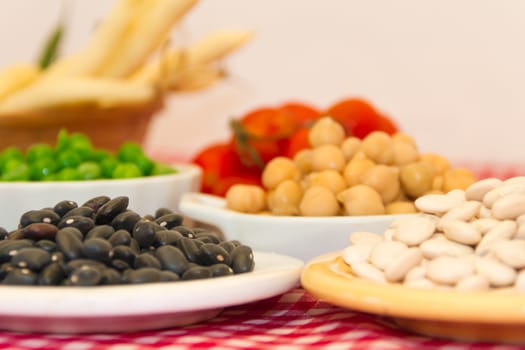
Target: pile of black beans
x: 102, y: 242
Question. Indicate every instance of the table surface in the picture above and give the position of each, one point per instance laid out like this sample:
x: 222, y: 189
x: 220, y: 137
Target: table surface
x: 291, y: 321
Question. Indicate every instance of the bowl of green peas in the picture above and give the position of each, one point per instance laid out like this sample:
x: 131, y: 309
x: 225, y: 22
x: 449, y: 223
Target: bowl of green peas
x: 73, y: 169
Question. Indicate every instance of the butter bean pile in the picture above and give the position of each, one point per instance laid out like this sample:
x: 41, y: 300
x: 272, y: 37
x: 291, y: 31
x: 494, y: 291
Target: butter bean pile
x: 463, y: 240
x: 340, y: 175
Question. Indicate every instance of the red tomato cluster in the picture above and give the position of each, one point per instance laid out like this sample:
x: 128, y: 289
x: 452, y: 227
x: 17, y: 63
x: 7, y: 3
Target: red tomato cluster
x: 268, y: 132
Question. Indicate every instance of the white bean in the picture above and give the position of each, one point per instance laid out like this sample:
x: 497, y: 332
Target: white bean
x: 477, y: 190
x: 461, y: 232
x: 510, y: 206
x: 415, y: 231
x: 385, y: 252
x: 498, y: 274
x: 473, y: 283
x: 511, y: 252
x: 357, y: 253
x: 503, y: 230
x: 364, y: 237
x: 464, y: 212
x: 437, y: 247
x: 405, y: 261
x: 437, y: 203
x: 485, y: 225
x: 368, y: 271
x: 448, y: 269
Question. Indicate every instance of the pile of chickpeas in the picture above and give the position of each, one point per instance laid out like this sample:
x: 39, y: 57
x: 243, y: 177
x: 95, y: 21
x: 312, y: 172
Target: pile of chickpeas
x: 340, y: 175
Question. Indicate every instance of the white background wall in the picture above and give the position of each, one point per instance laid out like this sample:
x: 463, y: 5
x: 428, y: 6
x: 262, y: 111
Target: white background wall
x: 452, y: 73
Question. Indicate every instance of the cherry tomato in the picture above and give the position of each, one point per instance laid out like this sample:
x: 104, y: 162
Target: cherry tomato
x: 298, y: 141
x: 303, y: 114
x: 359, y: 118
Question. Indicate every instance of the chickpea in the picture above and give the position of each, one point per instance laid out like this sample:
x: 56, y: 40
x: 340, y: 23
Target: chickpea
x: 277, y: 170
x: 384, y: 179
x: 416, y: 179
x: 319, y: 201
x: 285, y: 199
x: 328, y: 157
x: 355, y: 168
x: 326, y: 131
x: 378, y: 147
x: 405, y: 138
x: 303, y: 160
x: 459, y: 178
x: 330, y: 179
x: 437, y: 183
x: 361, y: 200
x: 404, y: 151
x: 438, y: 163
x: 401, y: 207
x: 246, y: 198
x: 350, y: 146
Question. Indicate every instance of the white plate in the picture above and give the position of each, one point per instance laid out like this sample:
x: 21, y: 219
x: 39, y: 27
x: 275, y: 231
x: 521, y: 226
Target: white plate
x: 297, y: 236
x: 129, y: 308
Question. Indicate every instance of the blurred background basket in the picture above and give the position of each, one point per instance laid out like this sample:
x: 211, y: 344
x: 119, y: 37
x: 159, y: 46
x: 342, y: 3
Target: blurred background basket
x: 107, y: 126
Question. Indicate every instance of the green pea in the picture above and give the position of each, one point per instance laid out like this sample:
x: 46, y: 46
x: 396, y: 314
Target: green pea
x: 108, y: 166
x: 16, y: 170
x: 129, y: 151
x: 42, y: 169
x: 68, y: 159
x: 81, y: 145
x: 68, y: 174
x: 145, y: 164
x: 63, y: 141
x: 100, y: 154
x: 162, y: 169
x: 90, y: 171
x: 39, y: 151
x: 126, y: 170
x: 8, y: 154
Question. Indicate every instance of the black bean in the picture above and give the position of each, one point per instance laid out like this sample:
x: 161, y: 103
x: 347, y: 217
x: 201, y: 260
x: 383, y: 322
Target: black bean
x: 47, y: 245
x: 96, y: 202
x: 162, y: 211
x: 31, y: 258
x: 86, y: 275
x: 167, y: 237
x: 80, y: 211
x: 168, y: 276
x: 3, y: 233
x: 125, y: 221
x: 79, y: 263
x: 218, y: 270
x: 58, y: 257
x: 172, y: 259
x: 34, y: 216
x: 125, y: 253
x: 97, y: 249
x: 107, y: 212
x: 20, y: 277
x: 197, y: 272
x: 62, y: 207
x: 229, y: 246
x: 148, y: 217
x: 110, y: 276
x: 170, y: 221
x: 211, y: 254
x: 190, y: 249
x: 185, y: 231
x: 15, y: 234
x: 144, y: 233
x: 4, y: 269
x: 242, y: 259
x: 143, y: 275
x: 100, y: 231
x: 82, y: 223
x: 147, y: 260
x: 208, y: 238
x: 120, y: 237
x: 39, y: 230
x: 69, y: 243
x: 9, y: 248
x: 120, y: 265
x: 51, y: 275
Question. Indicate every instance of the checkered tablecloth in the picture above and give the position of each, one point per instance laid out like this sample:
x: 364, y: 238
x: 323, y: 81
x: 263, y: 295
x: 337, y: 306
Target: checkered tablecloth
x: 292, y: 321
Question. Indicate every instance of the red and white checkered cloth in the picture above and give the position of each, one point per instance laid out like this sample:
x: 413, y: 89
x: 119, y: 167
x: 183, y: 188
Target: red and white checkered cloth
x: 292, y: 321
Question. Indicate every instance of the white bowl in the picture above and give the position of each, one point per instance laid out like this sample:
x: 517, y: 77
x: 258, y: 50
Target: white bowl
x: 146, y: 194
x: 300, y: 237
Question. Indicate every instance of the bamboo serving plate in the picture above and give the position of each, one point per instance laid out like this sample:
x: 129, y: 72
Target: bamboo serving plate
x: 493, y: 316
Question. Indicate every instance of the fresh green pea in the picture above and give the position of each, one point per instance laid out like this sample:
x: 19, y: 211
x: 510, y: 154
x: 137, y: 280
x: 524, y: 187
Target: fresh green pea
x: 108, y: 166
x: 16, y: 170
x: 162, y: 169
x: 68, y: 159
x: 129, y: 151
x: 90, y: 170
x: 145, y: 164
x: 42, y: 169
x: 126, y: 170
x: 68, y: 174
x: 10, y: 153
x: 81, y: 145
x: 62, y: 143
x: 39, y: 151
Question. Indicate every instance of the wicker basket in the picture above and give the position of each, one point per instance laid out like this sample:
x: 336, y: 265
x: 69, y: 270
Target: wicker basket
x: 108, y: 127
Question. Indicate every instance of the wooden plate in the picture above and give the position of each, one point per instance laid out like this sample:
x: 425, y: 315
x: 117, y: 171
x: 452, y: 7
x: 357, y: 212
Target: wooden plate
x: 495, y: 316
